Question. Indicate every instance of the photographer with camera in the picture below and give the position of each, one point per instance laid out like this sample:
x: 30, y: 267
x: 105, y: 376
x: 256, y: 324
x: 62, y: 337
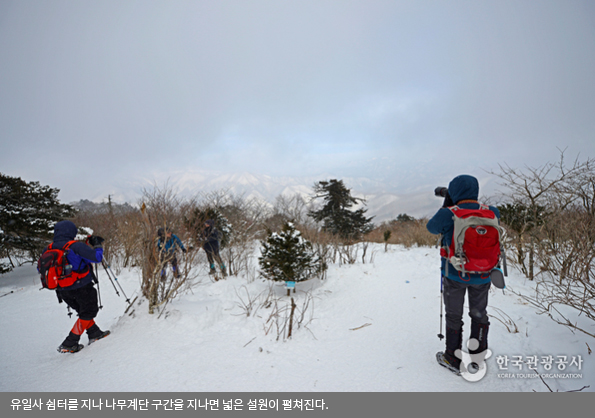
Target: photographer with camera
x: 461, y: 195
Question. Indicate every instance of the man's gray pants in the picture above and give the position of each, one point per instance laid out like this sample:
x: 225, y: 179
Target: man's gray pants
x: 454, y: 301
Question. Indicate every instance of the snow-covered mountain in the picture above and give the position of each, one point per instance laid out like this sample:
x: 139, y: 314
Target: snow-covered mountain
x: 383, y: 200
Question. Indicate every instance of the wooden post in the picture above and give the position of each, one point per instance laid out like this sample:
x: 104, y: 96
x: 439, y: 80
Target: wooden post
x: 291, y: 318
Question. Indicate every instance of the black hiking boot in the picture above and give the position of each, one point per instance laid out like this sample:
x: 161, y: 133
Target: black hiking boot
x: 71, y: 344
x: 70, y: 349
x: 447, y: 358
x: 99, y: 336
x: 95, y: 333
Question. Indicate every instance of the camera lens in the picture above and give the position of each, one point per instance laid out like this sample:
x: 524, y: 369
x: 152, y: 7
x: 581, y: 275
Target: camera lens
x: 441, y: 191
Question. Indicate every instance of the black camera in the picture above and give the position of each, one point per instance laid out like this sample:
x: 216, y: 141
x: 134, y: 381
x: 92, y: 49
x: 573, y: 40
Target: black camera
x: 441, y: 191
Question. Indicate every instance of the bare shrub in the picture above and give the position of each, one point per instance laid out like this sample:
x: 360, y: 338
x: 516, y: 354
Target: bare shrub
x: 245, y: 215
x: 407, y: 233
x: 288, y: 209
x: 161, y: 208
x: 245, y: 219
x: 287, y: 315
x: 559, y: 203
x: 250, y: 303
x: 321, y: 244
x: 129, y: 227
x: 505, y: 320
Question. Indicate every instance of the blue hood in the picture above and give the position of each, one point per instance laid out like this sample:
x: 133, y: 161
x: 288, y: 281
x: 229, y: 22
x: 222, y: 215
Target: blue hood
x: 65, y: 231
x: 463, y: 187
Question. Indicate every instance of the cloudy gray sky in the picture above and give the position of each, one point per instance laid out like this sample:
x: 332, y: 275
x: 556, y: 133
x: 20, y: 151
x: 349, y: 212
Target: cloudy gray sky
x: 94, y: 95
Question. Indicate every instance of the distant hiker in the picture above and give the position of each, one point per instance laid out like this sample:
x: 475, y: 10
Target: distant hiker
x: 210, y: 238
x: 167, y: 245
x: 81, y: 294
x: 464, y: 191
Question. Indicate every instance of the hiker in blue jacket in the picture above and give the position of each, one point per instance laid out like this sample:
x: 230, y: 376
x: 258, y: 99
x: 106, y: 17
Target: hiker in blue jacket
x: 81, y: 295
x: 463, y: 192
x: 167, y: 245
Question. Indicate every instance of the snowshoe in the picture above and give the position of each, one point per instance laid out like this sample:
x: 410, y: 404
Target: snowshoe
x: 213, y: 272
x: 70, y: 348
x: 99, y: 337
x: 443, y: 361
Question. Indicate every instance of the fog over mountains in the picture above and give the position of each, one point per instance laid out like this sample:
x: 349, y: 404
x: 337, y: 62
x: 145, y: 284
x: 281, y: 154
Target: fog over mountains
x: 384, y: 200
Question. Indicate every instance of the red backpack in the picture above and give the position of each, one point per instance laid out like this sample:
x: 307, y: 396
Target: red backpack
x: 54, y: 268
x: 476, y: 240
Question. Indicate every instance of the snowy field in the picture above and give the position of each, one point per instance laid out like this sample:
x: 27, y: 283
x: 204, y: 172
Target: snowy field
x: 368, y: 327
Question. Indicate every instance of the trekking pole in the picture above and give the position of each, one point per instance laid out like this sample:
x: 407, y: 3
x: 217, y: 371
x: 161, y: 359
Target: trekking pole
x: 96, y: 280
x: 116, y: 279
x: 440, y: 335
x: 110, y: 278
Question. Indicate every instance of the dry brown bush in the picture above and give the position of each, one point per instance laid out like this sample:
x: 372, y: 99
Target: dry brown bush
x: 118, y: 225
x: 162, y: 208
x: 245, y: 216
x: 409, y: 234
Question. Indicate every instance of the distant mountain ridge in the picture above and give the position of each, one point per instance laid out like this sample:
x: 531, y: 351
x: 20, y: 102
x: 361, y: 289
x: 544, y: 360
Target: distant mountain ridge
x: 382, y: 200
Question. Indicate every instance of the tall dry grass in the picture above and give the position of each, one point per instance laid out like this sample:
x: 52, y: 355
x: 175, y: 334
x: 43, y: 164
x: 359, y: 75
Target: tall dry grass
x: 409, y: 233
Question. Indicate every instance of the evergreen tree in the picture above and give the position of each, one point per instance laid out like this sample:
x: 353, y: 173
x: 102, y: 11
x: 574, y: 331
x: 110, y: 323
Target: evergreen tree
x: 335, y: 215
x: 522, y: 218
x: 197, y: 218
x: 525, y: 222
x: 28, y: 212
x: 403, y: 217
x: 286, y: 256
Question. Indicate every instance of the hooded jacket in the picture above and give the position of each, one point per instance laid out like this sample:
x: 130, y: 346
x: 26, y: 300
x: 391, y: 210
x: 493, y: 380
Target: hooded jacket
x: 171, y: 244
x: 210, y: 237
x: 80, y: 255
x: 464, y: 191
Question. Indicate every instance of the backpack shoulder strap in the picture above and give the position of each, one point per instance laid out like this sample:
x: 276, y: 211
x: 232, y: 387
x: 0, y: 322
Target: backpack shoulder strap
x: 68, y: 244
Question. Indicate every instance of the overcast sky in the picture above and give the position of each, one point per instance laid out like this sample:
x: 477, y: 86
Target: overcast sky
x: 96, y: 94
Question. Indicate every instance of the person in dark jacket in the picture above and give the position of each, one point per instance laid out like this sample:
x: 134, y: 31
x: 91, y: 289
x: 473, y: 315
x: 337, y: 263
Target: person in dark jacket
x: 81, y: 295
x: 463, y: 191
x: 210, y: 238
x: 168, y: 244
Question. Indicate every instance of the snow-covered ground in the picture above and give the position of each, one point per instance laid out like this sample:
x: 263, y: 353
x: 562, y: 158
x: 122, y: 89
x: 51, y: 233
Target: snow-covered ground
x: 368, y: 327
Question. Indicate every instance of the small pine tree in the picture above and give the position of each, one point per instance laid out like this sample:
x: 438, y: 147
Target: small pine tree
x: 286, y: 256
x: 387, y: 235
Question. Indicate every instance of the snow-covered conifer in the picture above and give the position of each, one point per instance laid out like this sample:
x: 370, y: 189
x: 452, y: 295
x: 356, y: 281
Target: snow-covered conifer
x: 287, y: 256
